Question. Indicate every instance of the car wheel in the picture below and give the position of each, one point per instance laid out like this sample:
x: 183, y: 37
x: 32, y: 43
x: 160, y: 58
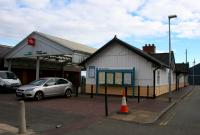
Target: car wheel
x: 38, y: 96
x: 68, y: 93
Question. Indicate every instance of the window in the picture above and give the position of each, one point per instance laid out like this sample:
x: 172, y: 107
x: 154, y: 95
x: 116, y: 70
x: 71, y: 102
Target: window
x: 158, y: 77
x: 7, y: 75
x: 38, y: 82
x: 51, y: 82
x: 61, y: 81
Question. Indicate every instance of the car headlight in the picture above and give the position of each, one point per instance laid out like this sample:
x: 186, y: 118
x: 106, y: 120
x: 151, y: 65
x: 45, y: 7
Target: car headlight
x: 30, y: 89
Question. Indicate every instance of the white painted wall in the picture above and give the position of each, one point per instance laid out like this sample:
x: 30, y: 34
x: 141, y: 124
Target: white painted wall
x: 164, y: 73
x: 118, y: 57
x: 181, y: 78
x: 186, y: 78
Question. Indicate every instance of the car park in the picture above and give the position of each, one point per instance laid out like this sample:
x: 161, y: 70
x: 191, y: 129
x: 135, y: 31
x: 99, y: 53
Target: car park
x: 9, y: 81
x: 45, y: 87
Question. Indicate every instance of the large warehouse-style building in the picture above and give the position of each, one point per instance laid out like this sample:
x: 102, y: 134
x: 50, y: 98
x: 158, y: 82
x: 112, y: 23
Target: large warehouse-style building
x: 118, y: 64
x: 42, y: 55
x: 194, y: 77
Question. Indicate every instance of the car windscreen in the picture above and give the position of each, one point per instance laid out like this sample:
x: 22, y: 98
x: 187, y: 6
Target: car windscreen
x: 38, y: 82
x: 7, y: 75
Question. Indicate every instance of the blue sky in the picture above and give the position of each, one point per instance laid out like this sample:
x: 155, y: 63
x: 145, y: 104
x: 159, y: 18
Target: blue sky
x: 95, y: 22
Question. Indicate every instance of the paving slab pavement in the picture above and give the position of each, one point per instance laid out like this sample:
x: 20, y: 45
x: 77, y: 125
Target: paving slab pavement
x: 148, y: 111
x: 6, y: 129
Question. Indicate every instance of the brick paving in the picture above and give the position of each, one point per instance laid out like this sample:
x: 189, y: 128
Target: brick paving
x: 79, y: 112
x: 90, y: 110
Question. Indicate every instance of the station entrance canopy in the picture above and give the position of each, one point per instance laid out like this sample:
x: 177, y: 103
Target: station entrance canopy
x: 40, y: 46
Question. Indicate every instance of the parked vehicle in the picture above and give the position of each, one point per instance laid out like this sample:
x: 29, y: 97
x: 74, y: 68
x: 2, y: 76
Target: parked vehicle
x: 45, y: 87
x: 9, y: 81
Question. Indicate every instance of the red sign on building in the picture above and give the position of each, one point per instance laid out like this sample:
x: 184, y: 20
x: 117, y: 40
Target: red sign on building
x: 31, y: 41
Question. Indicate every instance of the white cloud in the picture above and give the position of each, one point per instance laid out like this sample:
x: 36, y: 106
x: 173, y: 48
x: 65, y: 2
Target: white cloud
x: 34, y: 3
x: 94, y: 22
x: 186, y: 10
x: 188, y: 29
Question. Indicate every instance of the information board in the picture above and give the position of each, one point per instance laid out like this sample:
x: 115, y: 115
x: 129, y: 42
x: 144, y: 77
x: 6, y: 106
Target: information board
x: 127, y: 78
x: 110, y: 78
x: 118, y: 78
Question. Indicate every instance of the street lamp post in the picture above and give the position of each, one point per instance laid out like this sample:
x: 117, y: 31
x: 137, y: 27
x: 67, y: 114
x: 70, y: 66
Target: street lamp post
x: 170, y: 93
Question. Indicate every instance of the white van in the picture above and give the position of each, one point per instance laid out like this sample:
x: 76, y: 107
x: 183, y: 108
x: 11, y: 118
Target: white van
x: 9, y: 80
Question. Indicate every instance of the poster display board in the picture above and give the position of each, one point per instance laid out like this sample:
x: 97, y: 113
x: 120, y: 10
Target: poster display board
x: 101, y: 77
x: 118, y: 78
x: 127, y: 78
x: 115, y: 78
x: 110, y: 78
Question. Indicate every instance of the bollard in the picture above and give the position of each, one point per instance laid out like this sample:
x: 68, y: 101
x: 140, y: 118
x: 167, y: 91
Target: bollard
x: 126, y: 93
x: 22, y: 118
x: 147, y: 91
x: 106, y: 102
x: 138, y: 93
x: 91, y: 91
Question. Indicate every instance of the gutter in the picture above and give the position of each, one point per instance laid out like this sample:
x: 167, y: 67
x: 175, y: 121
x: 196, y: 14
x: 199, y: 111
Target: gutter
x: 154, y: 81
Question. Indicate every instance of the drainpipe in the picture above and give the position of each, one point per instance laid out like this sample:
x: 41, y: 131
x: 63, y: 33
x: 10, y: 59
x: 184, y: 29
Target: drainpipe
x: 154, y: 82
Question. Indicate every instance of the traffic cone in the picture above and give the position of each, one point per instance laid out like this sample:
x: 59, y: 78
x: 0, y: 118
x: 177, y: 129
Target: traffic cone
x: 124, y: 107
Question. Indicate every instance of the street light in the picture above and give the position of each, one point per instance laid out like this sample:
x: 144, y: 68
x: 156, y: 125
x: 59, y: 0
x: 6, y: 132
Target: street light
x: 170, y: 93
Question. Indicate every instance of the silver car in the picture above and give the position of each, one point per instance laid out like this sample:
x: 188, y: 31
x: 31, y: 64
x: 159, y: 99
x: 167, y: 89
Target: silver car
x: 45, y: 87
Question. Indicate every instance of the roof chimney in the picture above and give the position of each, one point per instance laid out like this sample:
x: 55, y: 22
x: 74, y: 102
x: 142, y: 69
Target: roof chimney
x: 149, y: 48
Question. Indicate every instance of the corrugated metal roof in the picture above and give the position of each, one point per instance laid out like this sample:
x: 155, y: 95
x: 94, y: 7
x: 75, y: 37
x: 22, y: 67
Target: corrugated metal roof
x: 72, y: 45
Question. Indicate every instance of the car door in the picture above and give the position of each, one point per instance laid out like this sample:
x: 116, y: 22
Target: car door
x: 61, y: 83
x: 49, y: 87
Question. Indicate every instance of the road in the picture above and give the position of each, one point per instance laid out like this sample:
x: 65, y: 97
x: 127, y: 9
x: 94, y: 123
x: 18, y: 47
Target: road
x: 182, y: 119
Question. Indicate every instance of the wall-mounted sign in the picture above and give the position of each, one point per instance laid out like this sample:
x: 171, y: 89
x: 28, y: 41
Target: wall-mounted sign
x: 31, y: 41
x: 41, y: 52
x: 91, y: 71
x: 28, y: 54
x: 127, y: 78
